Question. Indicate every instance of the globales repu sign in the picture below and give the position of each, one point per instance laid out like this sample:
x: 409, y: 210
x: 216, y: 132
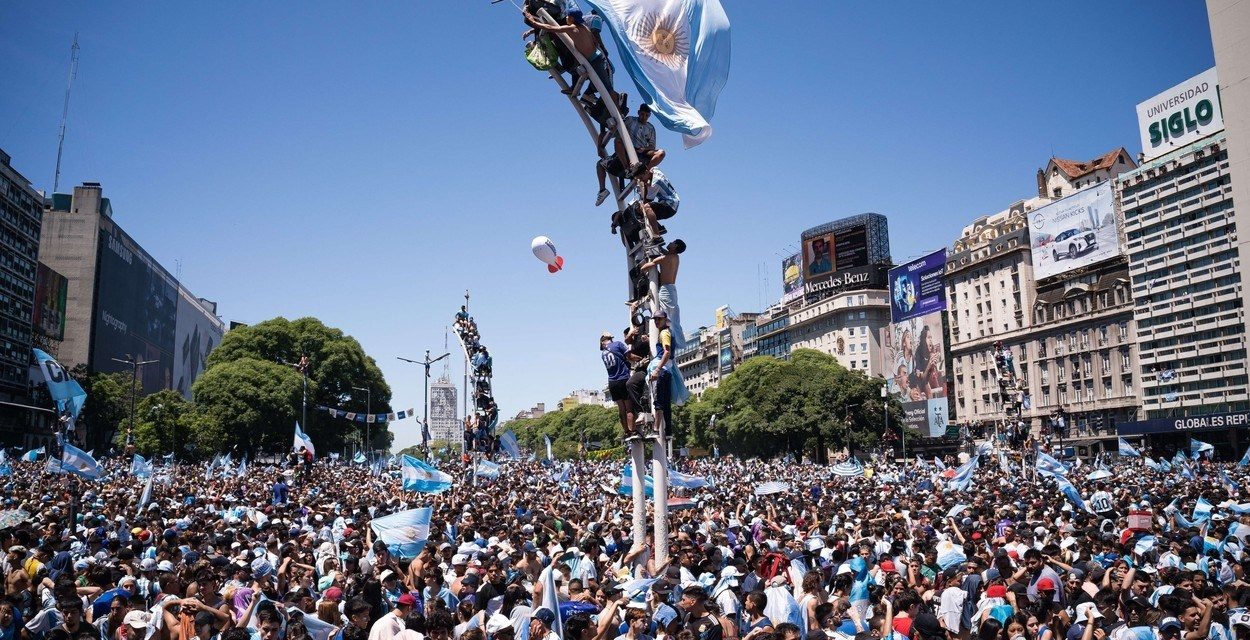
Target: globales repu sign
x: 1180, y: 115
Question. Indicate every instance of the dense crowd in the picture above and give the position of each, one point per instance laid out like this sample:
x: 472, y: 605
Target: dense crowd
x: 290, y: 554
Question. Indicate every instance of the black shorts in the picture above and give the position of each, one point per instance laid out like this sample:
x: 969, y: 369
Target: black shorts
x: 662, y: 211
x: 617, y: 390
x: 612, y: 164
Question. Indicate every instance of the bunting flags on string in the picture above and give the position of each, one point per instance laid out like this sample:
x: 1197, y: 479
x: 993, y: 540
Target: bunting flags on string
x: 369, y: 418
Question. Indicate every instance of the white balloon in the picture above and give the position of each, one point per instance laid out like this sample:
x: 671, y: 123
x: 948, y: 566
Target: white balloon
x: 545, y: 250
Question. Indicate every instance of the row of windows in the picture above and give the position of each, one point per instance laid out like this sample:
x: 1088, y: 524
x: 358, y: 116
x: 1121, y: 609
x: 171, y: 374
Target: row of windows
x: 1213, y: 382
x: 1131, y: 191
x: 1184, y: 313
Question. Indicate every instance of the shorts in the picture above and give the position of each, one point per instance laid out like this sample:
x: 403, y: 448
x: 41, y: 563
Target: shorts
x: 617, y: 390
x: 638, y: 389
x: 612, y: 165
x: 662, y: 211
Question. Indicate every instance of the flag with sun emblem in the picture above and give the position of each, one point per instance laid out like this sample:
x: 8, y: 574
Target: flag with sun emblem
x: 677, y: 52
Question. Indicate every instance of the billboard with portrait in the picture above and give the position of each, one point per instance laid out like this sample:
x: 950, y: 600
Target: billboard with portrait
x: 49, y: 313
x: 915, y: 364
x: 197, y: 332
x: 791, y: 278
x: 827, y: 253
x: 136, y: 306
x: 917, y: 288
x: 1074, y: 232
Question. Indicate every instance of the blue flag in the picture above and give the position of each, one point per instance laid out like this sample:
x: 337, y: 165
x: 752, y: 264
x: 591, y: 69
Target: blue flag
x: 360, y: 457
x: 1198, y: 447
x: 65, y: 391
x: 32, y: 455
x: 76, y: 461
x: 685, y: 481
x: 677, y: 52
x: 963, y: 475
x: 626, y: 487
x: 1245, y: 459
x: 419, y: 476
x: 302, y: 440
x: 1048, y: 466
x: 1228, y: 482
x: 405, y: 532
x: 1127, y: 449
x: 547, y: 441
x: 147, y: 494
x: 488, y: 469
x: 1152, y: 464
x: 507, y: 442
x: 139, y: 467
x: 1071, y: 494
x: 1202, y: 510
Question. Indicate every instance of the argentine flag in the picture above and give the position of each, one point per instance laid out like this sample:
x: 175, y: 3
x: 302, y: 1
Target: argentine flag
x: 488, y: 470
x: 405, y: 532
x: 677, y: 52
x: 1245, y: 459
x: 685, y: 480
x: 1071, y: 494
x: 76, y: 461
x: 547, y: 441
x: 140, y: 468
x: 1127, y: 449
x: 508, y: 443
x: 627, y: 483
x: 65, y: 391
x: 32, y: 455
x: 1197, y: 447
x: 419, y: 476
x: 1048, y: 466
x: 302, y: 440
x: 963, y: 476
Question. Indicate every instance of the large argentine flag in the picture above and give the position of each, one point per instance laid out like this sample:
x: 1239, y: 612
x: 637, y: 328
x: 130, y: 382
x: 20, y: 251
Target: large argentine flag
x: 508, y: 443
x: 302, y: 440
x: 419, y: 476
x: 76, y: 461
x: 677, y: 52
x: 405, y: 532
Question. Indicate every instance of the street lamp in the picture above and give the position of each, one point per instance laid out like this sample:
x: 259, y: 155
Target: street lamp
x: 425, y: 420
x: 135, y: 363
x: 885, y: 404
x: 368, y: 415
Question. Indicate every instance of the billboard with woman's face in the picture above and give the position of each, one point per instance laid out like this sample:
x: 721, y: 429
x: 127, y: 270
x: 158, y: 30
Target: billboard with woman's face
x: 915, y: 366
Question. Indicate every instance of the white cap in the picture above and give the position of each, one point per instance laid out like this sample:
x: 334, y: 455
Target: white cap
x: 730, y: 572
x: 459, y: 558
x: 137, y: 618
x: 497, y: 623
x: 1085, y: 610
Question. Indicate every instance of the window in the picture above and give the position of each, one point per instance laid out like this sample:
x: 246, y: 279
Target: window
x: 1106, y: 362
x: 863, y: 314
x: 863, y: 364
x: 1089, y: 394
x: 1124, y: 330
x: 1045, y: 371
x: 852, y: 348
x: 1041, y: 348
x: 1125, y: 361
x: 1102, y: 335
x: 1063, y: 396
x: 852, y: 364
x: 1058, y: 192
x: 1106, y: 389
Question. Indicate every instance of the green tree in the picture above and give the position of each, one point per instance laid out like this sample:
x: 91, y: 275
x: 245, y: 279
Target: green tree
x: 107, y: 412
x: 157, y: 417
x: 254, y: 402
x: 567, y: 429
x: 337, y: 364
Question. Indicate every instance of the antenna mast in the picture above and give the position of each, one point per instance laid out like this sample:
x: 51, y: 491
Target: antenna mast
x: 446, y: 366
x: 60, y: 144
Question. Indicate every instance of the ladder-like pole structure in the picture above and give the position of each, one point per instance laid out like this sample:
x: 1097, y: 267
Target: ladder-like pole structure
x: 635, y: 256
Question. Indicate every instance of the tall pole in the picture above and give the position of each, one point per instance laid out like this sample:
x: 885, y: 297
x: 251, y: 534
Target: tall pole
x: 134, y: 363
x: 425, y: 422
x: 464, y: 443
x: 368, y: 418
x: 69, y: 84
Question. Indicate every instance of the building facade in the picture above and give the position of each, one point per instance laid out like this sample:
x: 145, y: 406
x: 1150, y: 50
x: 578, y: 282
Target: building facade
x: 444, y: 411
x: 846, y: 325
x: 20, y: 227
x: 1185, y: 258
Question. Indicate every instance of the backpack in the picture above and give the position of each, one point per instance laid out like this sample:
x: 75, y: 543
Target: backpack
x: 773, y: 564
x: 541, y: 53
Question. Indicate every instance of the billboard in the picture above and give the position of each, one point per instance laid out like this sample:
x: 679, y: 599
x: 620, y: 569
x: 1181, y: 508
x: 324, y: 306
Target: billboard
x: 197, y: 331
x: 1074, y: 232
x: 833, y: 251
x: 136, y: 305
x: 791, y: 278
x: 918, y: 288
x: 1180, y: 115
x: 49, y: 313
x: 915, y: 364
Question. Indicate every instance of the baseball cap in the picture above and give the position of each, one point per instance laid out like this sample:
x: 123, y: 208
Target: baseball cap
x: 544, y: 616
x: 606, y: 335
x: 996, y: 591
x: 1045, y: 584
x: 137, y: 619
x: 333, y: 594
x: 1169, y: 623
x: 497, y: 623
x: 1085, y: 610
x: 406, y: 600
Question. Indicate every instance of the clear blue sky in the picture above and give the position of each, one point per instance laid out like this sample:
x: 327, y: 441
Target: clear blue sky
x: 367, y: 163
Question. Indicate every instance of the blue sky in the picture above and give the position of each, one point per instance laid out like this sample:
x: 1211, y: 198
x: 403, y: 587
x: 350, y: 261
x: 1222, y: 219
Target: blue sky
x: 367, y: 164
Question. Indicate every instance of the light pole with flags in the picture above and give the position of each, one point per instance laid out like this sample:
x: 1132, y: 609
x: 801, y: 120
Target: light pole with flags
x: 368, y: 418
x: 425, y: 420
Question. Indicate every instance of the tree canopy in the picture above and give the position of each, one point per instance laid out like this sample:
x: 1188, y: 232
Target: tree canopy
x: 588, y: 423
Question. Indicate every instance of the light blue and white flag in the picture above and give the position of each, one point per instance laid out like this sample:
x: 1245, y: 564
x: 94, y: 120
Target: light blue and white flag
x: 1202, y: 510
x: 1164, y: 465
x: 1127, y: 449
x: 626, y: 487
x: 1228, y: 482
x: 1198, y: 447
x: 242, y: 470
x: 547, y: 441
x: 562, y: 476
x: 6, y: 469
x: 1154, y: 466
x: 507, y: 442
x: 302, y: 440
x: 139, y: 467
x: 419, y: 476
x: 963, y: 475
x: 360, y: 457
x: 488, y: 469
x: 550, y: 601
x: 1245, y: 459
x: 685, y: 480
x: 677, y: 52
x: 65, y: 391
x: 1144, y: 545
x: 1003, y: 464
x: 1072, y: 494
x: 937, y: 462
x: 76, y: 461
x: 405, y: 532
x: 1048, y: 466
x: 146, y: 496
x: 32, y: 455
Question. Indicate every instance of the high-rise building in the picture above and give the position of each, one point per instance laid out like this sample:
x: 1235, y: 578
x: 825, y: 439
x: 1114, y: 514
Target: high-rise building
x: 120, y: 302
x: 445, y: 421
x: 19, y: 266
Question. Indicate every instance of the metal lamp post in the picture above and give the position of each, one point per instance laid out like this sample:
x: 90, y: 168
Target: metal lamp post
x: 134, y: 363
x: 425, y: 419
x: 368, y: 415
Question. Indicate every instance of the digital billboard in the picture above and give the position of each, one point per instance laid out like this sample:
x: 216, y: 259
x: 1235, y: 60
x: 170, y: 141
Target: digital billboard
x: 49, y: 313
x: 1185, y: 113
x: 917, y: 287
x: 828, y: 253
x: 915, y: 364
x: 1074, y: 232
x: 791, y: 278
x: 136, y: 307
x: 196, y: 333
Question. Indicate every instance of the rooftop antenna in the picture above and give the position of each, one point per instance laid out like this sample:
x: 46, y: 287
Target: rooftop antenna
x: 69, y: 84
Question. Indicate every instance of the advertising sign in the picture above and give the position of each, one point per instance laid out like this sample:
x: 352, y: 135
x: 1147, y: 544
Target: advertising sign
x: 1180, y: 115
x: 196, y: 332
x: 135, y: 311
x: 828, y: 253
x: 915, y: 364
x: 1077, y: 231
x: 1183, y: 424
x: 726, y: 359
x: 49, y: 313
x: 791, y: 278
x: 918, y: 288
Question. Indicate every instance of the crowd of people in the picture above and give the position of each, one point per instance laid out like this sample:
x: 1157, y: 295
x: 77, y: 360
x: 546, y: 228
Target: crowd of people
x: 479, y: 426
x: 896, y: 552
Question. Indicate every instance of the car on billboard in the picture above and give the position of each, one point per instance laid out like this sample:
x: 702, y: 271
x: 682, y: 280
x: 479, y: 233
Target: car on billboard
x: 1073, y: 243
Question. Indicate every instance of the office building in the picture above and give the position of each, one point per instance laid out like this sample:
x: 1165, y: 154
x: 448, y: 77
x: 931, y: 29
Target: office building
x: 19, y: 268
x: 712, y: 353
x: 579, y: 397
x: 445, y: 421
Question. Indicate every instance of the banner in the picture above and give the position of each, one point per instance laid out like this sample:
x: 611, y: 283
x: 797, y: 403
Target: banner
x: 1074, y: 232
x: 65, y: 391
x: 914, y: 361
x: 363, y: 418
x: 917, y: 288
